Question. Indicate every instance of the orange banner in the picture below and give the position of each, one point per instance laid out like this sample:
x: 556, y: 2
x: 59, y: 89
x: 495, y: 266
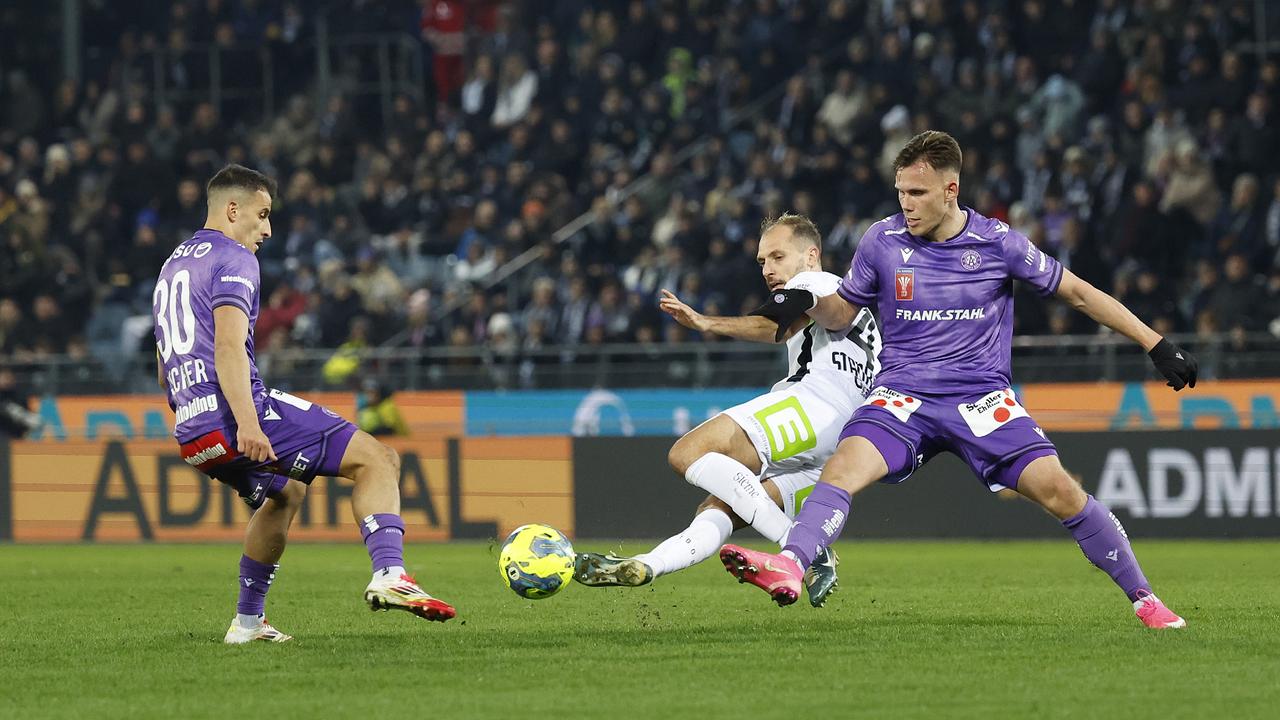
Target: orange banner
x: 128, y: 417
x: 114, y: 490
x: 1219, y: 404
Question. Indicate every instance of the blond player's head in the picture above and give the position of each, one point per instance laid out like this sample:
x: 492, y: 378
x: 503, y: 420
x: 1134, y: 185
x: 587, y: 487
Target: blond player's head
x: 789, y: 244
x: 927, y: 177
x: 240, y: 205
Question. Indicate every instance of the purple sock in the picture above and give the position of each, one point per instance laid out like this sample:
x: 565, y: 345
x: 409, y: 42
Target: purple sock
x: 255, y: 581
x: 384, y: 537
x: 1106, y: 544
x: 819, y: 522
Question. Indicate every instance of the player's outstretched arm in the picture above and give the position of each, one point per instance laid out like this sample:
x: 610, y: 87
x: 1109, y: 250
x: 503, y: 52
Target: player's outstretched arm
x: 1178, y: 366
x: 834, y: 312
x: 231, y: 362
x: 753, y: 328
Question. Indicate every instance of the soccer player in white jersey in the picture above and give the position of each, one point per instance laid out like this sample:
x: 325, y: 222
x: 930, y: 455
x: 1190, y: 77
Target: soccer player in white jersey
x: 784, y: 436
x: 941, y: 278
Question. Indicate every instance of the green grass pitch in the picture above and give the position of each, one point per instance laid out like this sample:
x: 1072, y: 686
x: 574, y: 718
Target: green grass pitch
x: 918, y: 630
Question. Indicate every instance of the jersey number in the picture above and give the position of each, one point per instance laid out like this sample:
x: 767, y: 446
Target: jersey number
x: 177, y: 328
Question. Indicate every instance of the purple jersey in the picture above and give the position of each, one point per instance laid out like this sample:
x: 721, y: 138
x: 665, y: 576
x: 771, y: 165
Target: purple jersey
x: 205, y: 272
x: 946, y: 308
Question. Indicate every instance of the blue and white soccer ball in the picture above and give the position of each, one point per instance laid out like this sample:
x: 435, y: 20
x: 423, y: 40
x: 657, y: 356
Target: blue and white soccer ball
x: 536, y: 561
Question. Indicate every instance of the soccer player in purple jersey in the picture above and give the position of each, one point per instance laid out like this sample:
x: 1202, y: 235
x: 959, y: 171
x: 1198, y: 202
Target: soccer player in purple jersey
x: 940, y: 275
x: 267, y: 444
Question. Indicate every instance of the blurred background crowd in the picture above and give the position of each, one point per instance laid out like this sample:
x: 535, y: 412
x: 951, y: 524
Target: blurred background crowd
x: 528, y: 175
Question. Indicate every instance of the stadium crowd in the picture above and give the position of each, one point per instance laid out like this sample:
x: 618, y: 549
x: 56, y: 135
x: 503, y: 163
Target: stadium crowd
x: 1136, y: 142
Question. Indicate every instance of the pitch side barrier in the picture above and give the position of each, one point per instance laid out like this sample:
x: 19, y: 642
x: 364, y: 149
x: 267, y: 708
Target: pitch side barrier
x: 1171, y: 484
x: 1194, y: 483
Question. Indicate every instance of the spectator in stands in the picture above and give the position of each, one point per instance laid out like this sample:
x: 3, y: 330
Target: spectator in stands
x: 1122, y: 149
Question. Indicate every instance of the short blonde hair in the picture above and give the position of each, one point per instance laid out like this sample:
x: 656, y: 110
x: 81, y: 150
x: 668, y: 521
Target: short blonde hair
x: 802, y: 228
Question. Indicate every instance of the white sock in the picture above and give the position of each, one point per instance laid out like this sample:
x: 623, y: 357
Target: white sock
x: 737, y: 486
x: 394, y: 571
x: 704, y: 536
x: 249, y: 621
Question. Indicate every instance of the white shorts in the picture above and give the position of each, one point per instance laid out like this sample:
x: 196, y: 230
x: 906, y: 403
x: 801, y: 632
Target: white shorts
x: 794, y: 487
x: 794, y: 430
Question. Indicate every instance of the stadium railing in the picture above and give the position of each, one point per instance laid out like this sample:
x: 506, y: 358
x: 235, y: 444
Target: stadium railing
x: 1069, y: 358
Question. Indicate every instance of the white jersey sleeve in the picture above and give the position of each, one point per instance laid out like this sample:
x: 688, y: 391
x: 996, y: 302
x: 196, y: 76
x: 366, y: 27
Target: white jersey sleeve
x: 846, y: 360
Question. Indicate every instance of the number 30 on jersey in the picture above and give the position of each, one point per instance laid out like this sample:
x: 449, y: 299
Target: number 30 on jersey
x: 177, y: 327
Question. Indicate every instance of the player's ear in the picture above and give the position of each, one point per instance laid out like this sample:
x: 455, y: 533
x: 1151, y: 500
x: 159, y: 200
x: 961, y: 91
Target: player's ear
x: 233, y: 210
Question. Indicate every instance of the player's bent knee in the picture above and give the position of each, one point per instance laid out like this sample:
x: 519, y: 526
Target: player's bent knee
x: 291, y: 495
x: 365, y: 453
x: 392, y: 458
x: 855, y: 465
x: 684, y: 453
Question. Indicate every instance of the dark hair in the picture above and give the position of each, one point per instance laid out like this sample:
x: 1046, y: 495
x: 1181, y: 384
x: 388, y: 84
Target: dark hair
x: 936, y: 148
x: 802, y: 228
x: 239, y: 177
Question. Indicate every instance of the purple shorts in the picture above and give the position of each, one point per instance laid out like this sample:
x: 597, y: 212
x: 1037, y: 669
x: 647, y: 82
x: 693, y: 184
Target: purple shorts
x: 308, y: 440
x: 990, y: 432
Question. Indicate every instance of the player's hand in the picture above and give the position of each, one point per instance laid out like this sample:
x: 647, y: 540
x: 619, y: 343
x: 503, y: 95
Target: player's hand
x: 685, y: 315
x: 785, y: 307
x: 1178, y: 366
x: 253, y: 444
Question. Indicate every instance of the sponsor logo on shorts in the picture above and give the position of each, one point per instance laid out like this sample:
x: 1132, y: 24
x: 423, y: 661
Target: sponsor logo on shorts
x: 199, y: 406
x: 206, y: 455
x: 300, y: 465
x: 902, y: 406
x: 904, y: 284
x: 992, y: 412
x: 971, y: 260
x: 208, y: 450
x: 255, y: 498
x: 788, y: 429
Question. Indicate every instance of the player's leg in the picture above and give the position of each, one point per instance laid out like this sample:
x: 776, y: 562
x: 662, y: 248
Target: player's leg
x: 278, y: 500
x: 719, y: 457
x: 311, y: 440
x: 868, y: 452
x: 713, y: 523
x: 1096, y: 530
x: 375, y: 503
x: 858, y: 462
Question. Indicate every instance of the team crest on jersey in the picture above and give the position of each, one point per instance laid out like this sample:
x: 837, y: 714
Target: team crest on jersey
x: 970, y: 260
x: 904, y: 284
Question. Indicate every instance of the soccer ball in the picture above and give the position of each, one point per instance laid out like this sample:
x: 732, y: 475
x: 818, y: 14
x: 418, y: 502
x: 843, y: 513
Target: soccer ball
x: 536, y: 561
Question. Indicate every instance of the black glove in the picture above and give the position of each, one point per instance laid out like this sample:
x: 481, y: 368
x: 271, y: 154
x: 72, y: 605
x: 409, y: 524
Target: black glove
x: 785, y: 307
x: 1178, y: 366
